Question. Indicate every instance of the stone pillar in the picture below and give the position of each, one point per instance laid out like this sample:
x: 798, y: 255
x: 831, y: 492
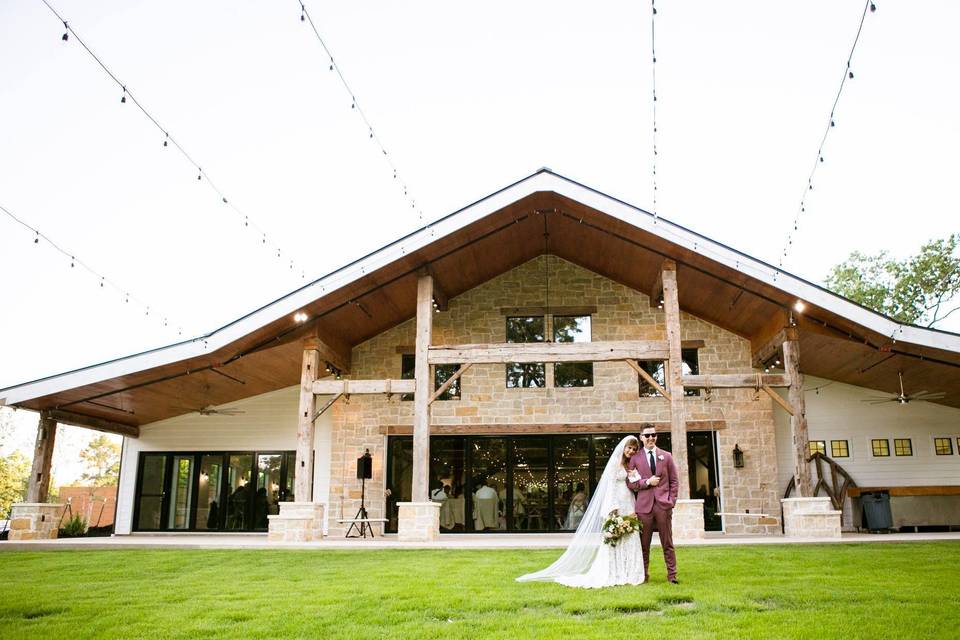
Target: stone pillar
x: 296, y: 522
x: 38, y: 486
x: 419, y: 522
x: 688, y: 520
x: 35, y: 521
x: 678, y: 423
x: 798, y: 421
x: 810, y: 518
x: 303, y: 473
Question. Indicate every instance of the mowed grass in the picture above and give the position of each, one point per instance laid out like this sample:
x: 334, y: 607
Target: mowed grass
x: 801, y: 591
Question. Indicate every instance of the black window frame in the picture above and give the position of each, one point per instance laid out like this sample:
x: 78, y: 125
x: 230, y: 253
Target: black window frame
x: 816, y: 446
x: 949, y: 443
x: 568, y: 370
x: 884, y: 447
x: 442, y: 373
x: 835, y: 446
x: 690, y: 357
x: 527, y: 371
x: 408, y: 371
x: 902, y: 447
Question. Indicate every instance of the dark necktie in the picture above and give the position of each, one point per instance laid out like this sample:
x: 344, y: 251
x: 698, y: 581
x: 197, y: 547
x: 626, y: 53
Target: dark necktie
x: 653, y: 464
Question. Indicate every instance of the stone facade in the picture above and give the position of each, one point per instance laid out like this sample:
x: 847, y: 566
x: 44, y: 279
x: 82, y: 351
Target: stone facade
x: 810, y: 518
x: 688, y: 520
x: 35, y: 521
x: 296, y: 522
x: 621, y: 313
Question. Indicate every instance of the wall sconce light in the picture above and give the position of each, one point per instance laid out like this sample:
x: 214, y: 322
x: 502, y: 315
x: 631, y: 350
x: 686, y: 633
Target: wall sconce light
x: 737, y: 456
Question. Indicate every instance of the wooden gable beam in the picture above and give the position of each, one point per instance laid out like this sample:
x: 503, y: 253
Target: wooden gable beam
x: 769, y: 339
x: 97, y: 424
x: 350, y: 387
x: 549, y: 352
x: 331, y: 350
x: 736, y: 380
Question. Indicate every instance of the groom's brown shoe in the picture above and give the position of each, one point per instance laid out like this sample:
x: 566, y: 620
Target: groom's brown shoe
x: 673, y: 580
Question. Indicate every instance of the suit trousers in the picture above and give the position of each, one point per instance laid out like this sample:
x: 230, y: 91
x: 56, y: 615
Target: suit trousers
x: 663, y: 516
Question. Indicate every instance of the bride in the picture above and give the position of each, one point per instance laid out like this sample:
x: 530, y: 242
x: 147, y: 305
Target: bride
x: 588, y: 562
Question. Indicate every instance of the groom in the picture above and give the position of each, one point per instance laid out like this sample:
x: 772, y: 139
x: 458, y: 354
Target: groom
x: 656, y: 489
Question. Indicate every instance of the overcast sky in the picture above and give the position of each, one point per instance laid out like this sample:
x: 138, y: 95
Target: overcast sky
x: 466, y: 98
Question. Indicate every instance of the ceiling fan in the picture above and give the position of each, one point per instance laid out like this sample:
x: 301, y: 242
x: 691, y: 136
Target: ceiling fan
x: 904, y: 398
x: 211, y: 410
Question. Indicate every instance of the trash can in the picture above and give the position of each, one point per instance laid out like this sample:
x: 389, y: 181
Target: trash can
x: 876, y: 511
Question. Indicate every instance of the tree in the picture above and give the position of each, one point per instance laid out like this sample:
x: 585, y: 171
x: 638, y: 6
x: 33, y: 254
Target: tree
x: 922, y: 289
x: 102, y: 457
x: 14, y: 474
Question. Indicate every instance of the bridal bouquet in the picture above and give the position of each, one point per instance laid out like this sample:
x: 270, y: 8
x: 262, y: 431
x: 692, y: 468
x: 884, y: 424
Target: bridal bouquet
x: 617, y: 526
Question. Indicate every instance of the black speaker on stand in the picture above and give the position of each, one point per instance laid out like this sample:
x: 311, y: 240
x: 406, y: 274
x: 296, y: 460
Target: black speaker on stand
x: 361, y: 524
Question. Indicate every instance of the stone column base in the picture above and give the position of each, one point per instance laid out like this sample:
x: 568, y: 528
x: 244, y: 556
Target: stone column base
x: 810, y: 518
x: 418, y: 522
x: 297, y: 522
x: 35, y: 521
x: 688, y: 520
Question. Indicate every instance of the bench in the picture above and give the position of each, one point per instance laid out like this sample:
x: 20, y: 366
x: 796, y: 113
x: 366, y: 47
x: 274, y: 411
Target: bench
x: 361, y: 525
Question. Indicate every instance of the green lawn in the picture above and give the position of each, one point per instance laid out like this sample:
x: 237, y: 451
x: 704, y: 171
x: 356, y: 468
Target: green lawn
x: 850, y: 591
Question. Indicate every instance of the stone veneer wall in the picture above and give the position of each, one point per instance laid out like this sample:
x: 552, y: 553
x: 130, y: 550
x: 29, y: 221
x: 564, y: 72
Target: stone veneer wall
x: 622, y: 314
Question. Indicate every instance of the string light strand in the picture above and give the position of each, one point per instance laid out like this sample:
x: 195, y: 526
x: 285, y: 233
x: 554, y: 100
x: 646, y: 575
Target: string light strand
x: 653, y: 66
x: 870, y: 7
x: 101, y: 279
x: 355, y: 105
x: 169, y: 140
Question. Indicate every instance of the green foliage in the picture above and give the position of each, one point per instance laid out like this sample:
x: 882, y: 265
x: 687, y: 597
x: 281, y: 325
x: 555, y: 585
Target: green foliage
x: 922, y: 289
x: 102, y: 457
x: 14, y: 475
x: 75, y: 527
x: 790, y: 592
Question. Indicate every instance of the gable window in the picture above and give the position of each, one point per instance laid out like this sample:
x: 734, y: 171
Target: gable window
x: 656, y: 369
x: 408, y: 371
x: 943, y: 446
x: 817, y: 446
x: 902, y: 446
x: 531, y: 374
x: 442, y: 373
x: 839, y: 448
x: 880, y: 448
x: 572, y: 329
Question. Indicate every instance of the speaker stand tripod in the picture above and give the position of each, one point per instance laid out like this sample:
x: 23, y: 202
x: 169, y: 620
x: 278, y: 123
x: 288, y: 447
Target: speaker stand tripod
x: 361, y: 522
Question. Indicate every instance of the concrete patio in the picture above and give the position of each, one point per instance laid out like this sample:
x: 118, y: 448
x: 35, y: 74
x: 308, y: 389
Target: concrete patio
x: 447, y: 541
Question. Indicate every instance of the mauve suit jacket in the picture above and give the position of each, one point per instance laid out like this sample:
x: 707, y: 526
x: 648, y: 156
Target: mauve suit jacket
x: 665, y: 493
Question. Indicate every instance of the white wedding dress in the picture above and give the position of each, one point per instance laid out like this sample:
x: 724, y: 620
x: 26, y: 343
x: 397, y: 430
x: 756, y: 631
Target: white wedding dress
x: 588, y: 562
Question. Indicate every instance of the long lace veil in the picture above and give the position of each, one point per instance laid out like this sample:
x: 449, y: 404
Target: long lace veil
x: 588, y: 538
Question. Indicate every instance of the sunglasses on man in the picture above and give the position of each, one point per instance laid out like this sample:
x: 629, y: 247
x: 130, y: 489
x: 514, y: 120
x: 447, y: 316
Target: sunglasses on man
x: 648, y: 435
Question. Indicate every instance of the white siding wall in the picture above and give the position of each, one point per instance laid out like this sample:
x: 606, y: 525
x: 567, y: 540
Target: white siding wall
x: 838, y: 413
x: 269, y: 422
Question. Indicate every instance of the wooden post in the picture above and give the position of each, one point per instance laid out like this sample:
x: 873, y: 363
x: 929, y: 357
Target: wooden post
x: 38, y: 486
x: 798, y: 421
x: 421, y: 398
x: 678, y: 423
x: 303, y: 474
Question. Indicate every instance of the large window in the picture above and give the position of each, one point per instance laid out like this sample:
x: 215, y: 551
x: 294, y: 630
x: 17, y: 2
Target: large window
x: 204, y: 491
x: 526, y: 375
x: 880, y: 447
x: 657, y: 370
x: 572, y: 374
x: 442, y: 373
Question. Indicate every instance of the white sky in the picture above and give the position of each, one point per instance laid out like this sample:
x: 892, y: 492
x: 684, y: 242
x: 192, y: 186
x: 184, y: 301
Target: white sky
x: 467, y: 99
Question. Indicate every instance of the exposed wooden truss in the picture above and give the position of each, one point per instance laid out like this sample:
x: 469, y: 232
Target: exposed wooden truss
x: 350, y: 387
x: 736, y: 380
x: 98, y: 424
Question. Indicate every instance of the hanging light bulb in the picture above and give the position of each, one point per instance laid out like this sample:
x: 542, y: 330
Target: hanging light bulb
x: 101, y: 282
x: 65, y: 36
x: 873, y: 7
x: 821, y: 158
x: 832, y: 123
x: 199, y: 173
x: 71, y: 262
x: 36, y: 238
x: 850, y: 74
x: 224, y: 199
x: 165, y: 138
x: 303, y: 12
x: 331, y: 64
x: 123, y: 98
x: 246, y: 221
x: 353, y: 103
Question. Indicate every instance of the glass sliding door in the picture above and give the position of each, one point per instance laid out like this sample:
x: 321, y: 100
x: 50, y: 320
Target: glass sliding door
x: 180, y: 492
x: 448, y: 481
x: 571, y: 485
x: 153, y: 470
x: 488, y: 484
x: 703, y: 476
x: 239, y: 492
x: 209, y: 489
x: 266, y: 502
x: 531, y: 472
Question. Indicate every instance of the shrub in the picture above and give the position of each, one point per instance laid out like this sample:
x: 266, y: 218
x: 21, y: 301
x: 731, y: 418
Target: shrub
x: 74, y: 528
